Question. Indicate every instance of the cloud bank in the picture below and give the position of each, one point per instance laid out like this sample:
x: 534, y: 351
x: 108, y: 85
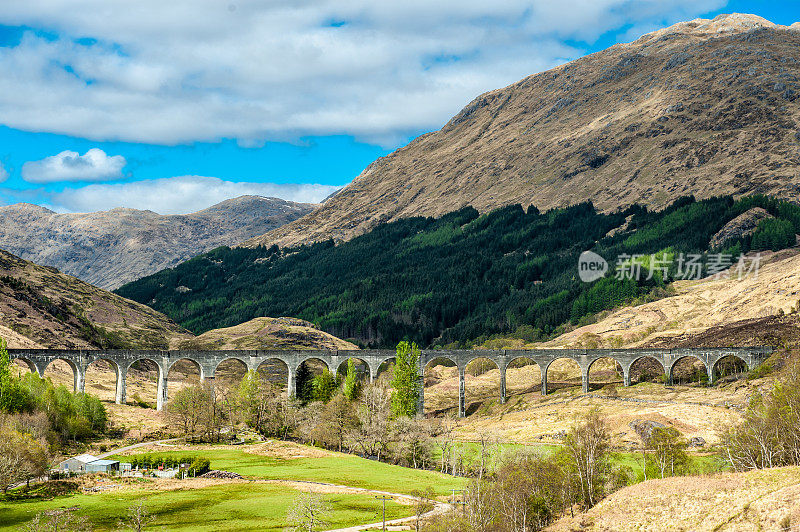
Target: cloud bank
x: 178, y: 195
x: 3, y: 173
x: 94, y: 165
x: 203, y: 70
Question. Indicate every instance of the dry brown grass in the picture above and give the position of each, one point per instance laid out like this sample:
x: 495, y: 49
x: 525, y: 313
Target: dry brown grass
x: 529, y: 417
x: 698, y: 306
x: 766, y: 500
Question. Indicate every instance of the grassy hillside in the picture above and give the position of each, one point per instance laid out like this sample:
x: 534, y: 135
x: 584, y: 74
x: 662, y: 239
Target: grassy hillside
x: 458, y: 279
x: 757, y: 500
x: 42, y: 307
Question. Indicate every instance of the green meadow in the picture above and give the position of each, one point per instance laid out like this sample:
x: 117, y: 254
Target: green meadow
x: 336, y: 468
x: 231, y: 507
x: 246, y: 505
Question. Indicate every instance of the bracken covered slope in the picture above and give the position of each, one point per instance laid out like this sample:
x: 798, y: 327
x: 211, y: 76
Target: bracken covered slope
x: 111, y: 248
x: 43, y: 308
x: 764, y: 500
x: 265, y: 333
x: 703, y: 107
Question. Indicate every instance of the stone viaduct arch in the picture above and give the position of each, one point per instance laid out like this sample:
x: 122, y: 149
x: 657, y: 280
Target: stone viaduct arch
x: 209, y: 361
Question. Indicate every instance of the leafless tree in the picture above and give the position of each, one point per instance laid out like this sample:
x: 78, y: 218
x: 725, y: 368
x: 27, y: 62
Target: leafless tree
x: 586, y: 446
x: 137, y: 519
x: 424, y: 502
x: 308, y: 512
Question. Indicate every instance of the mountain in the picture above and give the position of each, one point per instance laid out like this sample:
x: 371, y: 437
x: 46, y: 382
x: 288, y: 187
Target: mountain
x: 43, y: 308
x: 706, y: 107
x: 466, y: 278
x: 110, y: 248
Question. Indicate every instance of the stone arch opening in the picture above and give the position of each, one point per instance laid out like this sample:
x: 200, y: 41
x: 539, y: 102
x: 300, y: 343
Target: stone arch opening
x: 729, y: 366
x: 229, y: 373
x: 688, y: 370
x: 182, y: 373
x: 646, y: 369
x: 361, y: 367
x: 141, y: 383
x: 62, y: 371
x: 563, y: 373
x: 385, y: 368
x: 305, y: 374
x: 274, y: 371
x: 440, y: 386
x: 101, y: 379
x: 21, y: 365
x: 481, y: 383
x: 523, y: 375
x: 604, y: 371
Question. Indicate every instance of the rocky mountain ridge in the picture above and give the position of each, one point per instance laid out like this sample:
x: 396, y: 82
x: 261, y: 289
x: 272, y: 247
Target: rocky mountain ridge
x: 705, y: 107
x: 113, y: 247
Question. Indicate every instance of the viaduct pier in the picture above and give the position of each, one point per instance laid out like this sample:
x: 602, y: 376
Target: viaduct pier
x: 208, y: 361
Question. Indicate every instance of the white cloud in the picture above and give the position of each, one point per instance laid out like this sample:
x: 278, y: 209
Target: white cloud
x: 3, y: 173
x: 94, y: 165
x: 178, y: 195
x: 201, y: 70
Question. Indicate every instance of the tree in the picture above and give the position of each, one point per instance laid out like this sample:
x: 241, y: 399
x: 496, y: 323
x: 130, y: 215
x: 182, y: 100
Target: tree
x: 138, y: 518
x: 586, y: 452
x: 668, y: 450
x: 423, y: 503
x: 186, y: 409
x: 480, y: 506
x: 308, y: 512
x: 373, y: 430
x: 21, y: 458
x: 337, y: 421
x: 324, y: 386
x: 58, y: 521
x: 405, y: 381
x: 351, y: 387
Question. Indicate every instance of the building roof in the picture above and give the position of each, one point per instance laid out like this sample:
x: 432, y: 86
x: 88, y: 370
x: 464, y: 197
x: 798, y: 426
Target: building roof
x: 103, y: 462
x: 85, y: 458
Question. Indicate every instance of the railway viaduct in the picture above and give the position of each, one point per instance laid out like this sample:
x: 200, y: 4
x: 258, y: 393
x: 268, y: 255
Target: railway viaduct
x: 208, y: 361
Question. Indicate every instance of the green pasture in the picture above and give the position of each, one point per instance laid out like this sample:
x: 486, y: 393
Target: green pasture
x: 231, y: 507
x: 336, y: 468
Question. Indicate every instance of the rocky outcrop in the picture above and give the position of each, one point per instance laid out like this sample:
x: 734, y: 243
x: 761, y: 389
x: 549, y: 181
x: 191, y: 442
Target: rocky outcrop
x: 706, y: 107
x: 743, y: 225
x: 109, y: 249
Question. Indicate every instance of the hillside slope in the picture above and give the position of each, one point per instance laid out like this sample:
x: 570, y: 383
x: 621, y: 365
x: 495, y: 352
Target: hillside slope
x: 110, y: 248
x: 43, y: 308
x: 763, y: 500
x: 698, y: 306
x: 703, y: 107
x: 265, y: 333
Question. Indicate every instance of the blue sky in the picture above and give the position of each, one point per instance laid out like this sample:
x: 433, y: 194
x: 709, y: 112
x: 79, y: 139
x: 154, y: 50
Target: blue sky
x: 176, y: 106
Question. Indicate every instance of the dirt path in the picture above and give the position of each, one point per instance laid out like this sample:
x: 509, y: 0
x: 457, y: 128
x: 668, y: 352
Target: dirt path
x: 324, y: 487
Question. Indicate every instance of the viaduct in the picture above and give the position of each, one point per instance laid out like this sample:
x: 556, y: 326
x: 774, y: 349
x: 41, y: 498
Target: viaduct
x: 208, y: 361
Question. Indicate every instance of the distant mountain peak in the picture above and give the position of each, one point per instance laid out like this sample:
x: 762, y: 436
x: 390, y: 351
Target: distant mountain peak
x: 110, y: 248
x: 704, y: 107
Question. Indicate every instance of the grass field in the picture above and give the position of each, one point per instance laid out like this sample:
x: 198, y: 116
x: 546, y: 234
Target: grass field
x: 335, y: 468
x: 236, y: 506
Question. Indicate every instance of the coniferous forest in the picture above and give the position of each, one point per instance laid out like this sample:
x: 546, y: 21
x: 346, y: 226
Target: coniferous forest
x: 458, y: 279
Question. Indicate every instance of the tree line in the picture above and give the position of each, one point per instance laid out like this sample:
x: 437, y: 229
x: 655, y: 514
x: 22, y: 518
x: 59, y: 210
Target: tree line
x: 37, y: 419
